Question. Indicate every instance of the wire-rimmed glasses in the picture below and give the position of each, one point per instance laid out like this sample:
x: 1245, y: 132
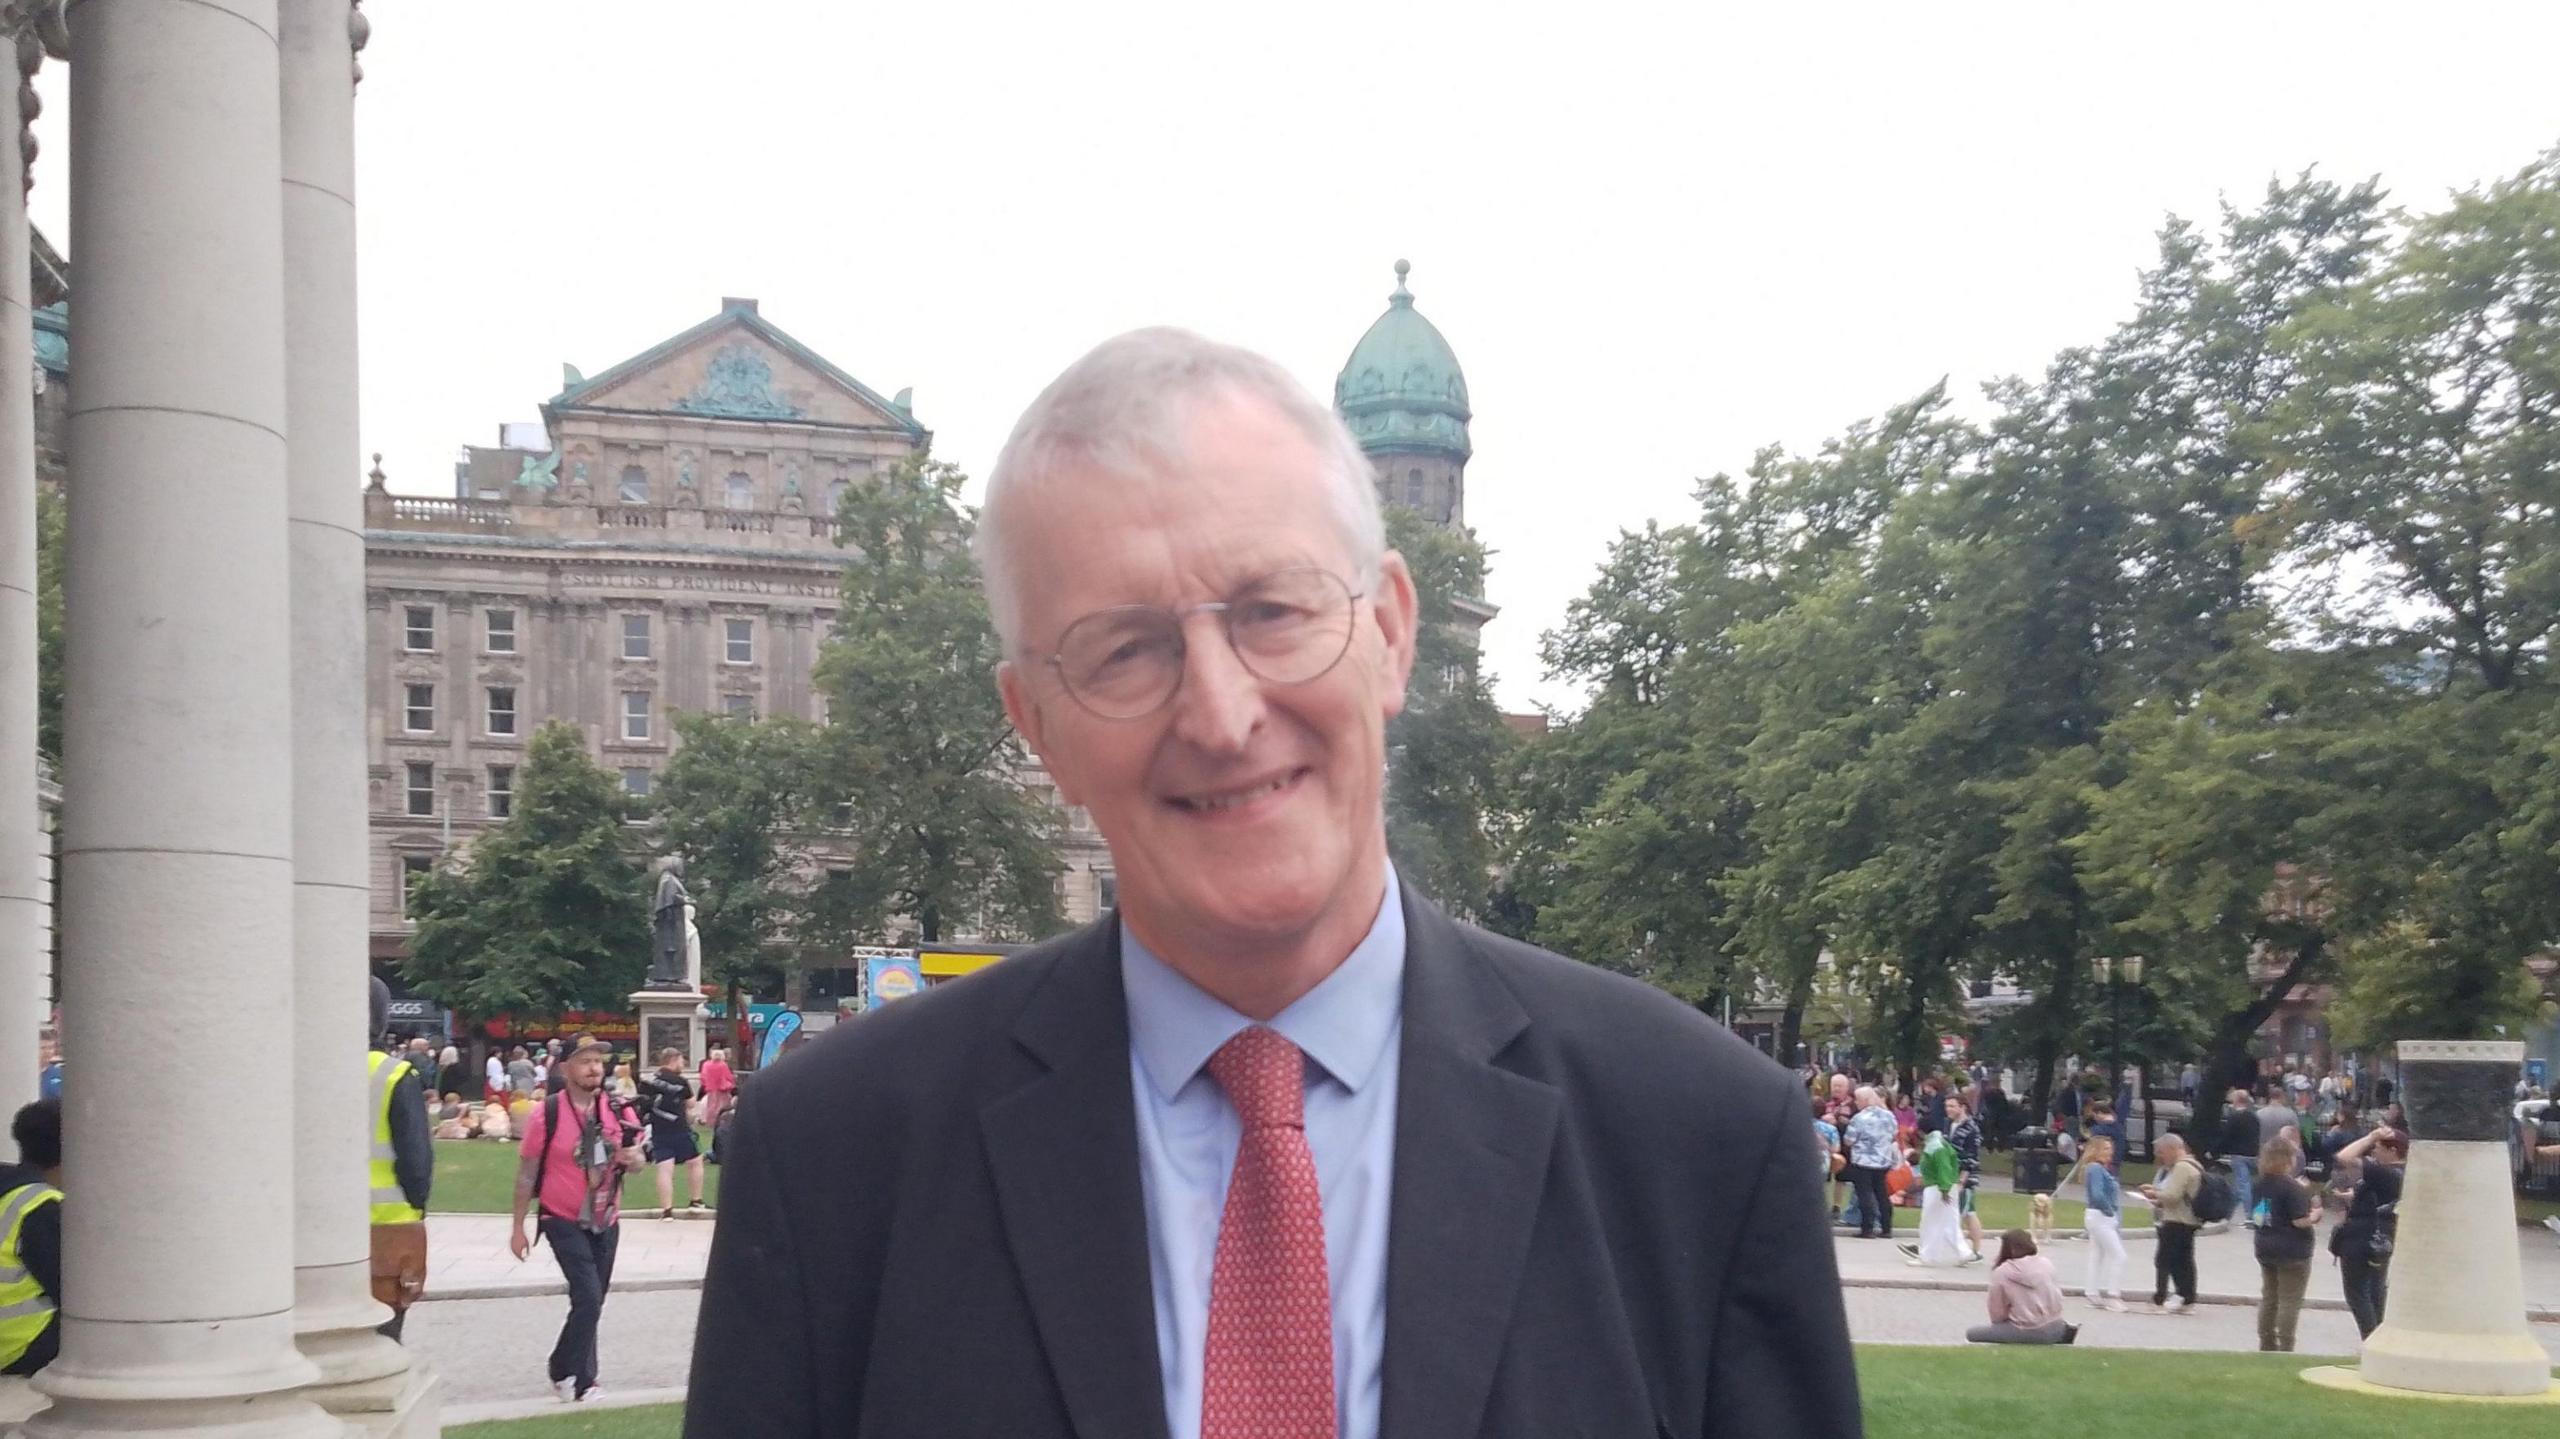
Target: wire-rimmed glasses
x: 1287, y: 628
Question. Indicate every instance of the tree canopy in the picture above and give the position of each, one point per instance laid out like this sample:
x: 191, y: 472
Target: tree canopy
x: 2224, y: 640
x: 917, y: 766
x: 547, y: 912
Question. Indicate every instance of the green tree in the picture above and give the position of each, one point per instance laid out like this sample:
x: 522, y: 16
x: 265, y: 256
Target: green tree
x: 1445, y: 752
x: 733, y: 802
x: 52, y: 532
x: 547, y: 911
x: 2402, y: 985
x: 917, y: 763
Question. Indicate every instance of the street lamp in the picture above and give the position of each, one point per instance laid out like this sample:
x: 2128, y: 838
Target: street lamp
x: 2107, y: 969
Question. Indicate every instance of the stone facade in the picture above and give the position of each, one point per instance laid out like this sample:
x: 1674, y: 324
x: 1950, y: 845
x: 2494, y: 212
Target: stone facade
x: 664, y: 542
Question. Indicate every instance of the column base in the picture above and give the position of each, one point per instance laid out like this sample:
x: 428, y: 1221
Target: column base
x: 281, y: 1416
x: 406, y: 1405
x: 2469, y: 1364
x: 334, y: 1319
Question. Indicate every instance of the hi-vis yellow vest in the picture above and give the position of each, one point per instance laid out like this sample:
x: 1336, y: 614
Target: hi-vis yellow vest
x: 25, y: 1309
x: 390, y: 1205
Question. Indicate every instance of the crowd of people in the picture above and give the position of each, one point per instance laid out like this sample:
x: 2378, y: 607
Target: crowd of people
x: 2277, y: 1160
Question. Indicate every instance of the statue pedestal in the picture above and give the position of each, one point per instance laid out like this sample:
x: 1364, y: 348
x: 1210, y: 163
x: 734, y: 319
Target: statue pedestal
x: 2455, y: 1324
x: 669, y: 1019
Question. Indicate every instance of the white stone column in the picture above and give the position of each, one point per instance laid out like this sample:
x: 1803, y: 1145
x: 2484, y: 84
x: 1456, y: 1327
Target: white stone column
x: 365, y: 1378
x: 23, y: 961
x: 178, y: 888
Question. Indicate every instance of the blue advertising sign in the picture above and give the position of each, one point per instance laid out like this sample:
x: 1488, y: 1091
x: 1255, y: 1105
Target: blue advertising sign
x: 759, y: 1016
x: 2537, y: 1072
x: 890, y: 976
x: 785, y: 1025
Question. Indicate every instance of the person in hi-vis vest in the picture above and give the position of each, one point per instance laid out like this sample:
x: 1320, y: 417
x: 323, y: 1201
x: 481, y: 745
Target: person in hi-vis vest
x: 31, y: 1242
x: 400, y: 1171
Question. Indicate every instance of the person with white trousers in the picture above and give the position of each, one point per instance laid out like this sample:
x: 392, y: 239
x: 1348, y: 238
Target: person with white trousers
x: 2104, y: 1219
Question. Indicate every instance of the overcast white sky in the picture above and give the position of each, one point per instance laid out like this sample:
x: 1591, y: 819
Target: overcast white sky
x: 1658, y: 236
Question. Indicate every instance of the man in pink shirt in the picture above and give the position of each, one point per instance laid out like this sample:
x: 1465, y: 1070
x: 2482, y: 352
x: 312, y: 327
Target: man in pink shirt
x: 577, y: 1146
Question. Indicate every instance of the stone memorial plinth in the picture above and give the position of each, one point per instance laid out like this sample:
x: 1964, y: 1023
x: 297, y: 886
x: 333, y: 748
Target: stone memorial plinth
x: 2455, y: 1323
x: 669, y: 1019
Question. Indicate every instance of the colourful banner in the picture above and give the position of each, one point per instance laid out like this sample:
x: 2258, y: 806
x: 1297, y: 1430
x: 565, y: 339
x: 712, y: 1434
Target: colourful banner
x: 890, y: 976
x: 785, y: 1025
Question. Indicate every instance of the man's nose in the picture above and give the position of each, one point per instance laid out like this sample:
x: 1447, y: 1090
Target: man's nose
x: 1219, y: 703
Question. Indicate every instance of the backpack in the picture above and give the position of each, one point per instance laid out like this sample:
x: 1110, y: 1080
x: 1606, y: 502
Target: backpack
x: 610, y: 1108
x: 2215, y: 1198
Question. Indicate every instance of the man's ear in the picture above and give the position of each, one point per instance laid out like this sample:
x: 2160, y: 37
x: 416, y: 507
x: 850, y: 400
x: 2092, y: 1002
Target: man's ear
x: 1031, y: 722
x: 1397, y: 612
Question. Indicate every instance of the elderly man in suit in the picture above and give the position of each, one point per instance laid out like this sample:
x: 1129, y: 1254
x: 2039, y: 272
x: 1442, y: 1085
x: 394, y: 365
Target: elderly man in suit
x: 1279, y: 1149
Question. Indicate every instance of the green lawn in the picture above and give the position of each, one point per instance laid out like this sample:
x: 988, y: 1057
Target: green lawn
x: 1966, y: 1393
x: 478, y: 1176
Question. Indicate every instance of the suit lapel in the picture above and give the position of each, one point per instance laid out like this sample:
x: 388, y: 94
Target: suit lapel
x: 1064, y: 1151
x: 1472, y: 1145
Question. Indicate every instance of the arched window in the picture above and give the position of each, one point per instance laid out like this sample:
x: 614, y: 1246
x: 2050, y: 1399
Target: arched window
x: 634, y: 488
x: 741, y: 492
x: 835, y: 493
x: 1413, y: 488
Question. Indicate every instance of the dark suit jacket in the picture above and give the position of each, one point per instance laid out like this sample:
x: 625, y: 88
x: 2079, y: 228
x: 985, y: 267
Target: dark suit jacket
x: 1606, y: 1218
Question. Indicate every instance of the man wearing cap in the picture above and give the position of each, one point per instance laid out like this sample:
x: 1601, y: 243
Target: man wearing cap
x: 577, y: 1145
x: 1277, y: 1148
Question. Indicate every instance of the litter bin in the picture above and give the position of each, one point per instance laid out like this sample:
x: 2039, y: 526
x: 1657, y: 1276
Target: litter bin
x: 2038, y: 1167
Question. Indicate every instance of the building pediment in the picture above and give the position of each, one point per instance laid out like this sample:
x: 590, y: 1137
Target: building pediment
x: 737, y: 366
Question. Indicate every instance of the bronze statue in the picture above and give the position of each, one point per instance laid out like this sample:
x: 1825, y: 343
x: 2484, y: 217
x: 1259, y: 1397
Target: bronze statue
x: 667, y: 955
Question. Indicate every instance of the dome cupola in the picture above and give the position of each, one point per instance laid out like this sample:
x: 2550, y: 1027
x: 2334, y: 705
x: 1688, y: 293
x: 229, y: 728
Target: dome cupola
x: 1401, y: 392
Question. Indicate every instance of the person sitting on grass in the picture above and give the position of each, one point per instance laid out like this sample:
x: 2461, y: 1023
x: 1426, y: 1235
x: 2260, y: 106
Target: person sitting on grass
x: 2025, y: 1298
x: 495, y: 1122
x: 450, y: 1123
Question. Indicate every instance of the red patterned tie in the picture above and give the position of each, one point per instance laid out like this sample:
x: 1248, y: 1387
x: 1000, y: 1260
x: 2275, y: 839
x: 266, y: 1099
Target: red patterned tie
x: 1269, y: 1369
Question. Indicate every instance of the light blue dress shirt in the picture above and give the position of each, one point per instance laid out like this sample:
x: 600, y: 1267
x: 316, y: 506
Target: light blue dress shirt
x: 1188, y: 1133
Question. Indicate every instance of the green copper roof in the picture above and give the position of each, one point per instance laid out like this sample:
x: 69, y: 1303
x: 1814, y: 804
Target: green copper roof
x: 1402, y: 390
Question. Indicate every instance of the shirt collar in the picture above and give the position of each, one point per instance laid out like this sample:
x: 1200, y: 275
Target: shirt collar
x: 1343, y: 1024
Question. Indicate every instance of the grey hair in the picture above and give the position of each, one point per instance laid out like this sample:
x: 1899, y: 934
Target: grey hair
x: 1122, y: 411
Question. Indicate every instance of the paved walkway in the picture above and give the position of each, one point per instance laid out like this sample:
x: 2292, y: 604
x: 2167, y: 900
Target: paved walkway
x: 491, y: 1351
x: 467, y: 1257
x: 2226, y: 1268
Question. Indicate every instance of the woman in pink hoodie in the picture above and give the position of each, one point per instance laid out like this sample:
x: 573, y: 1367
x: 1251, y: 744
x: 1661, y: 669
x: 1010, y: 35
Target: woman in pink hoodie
x: 2025, y: 1298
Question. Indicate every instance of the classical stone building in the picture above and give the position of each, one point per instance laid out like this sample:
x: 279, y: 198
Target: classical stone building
x: 662, y: 541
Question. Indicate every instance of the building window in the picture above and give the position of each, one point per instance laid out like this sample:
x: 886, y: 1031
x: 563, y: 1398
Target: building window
x: 835, y: 493
x: 634, y: 488
x: 635, y: 781
x: 1106, y: 888
x: 635, y: 714
x: 1413, y: 488
x: 739, y: 493
x: 502, y: 791
x: 413, y: 868
x: 502, y: 632
x: 421, y: 628
x: 502, y: 709
x: 738, y: 706
x: 635, y: 637
x: 421, y: 709
x: 741, y: 641
x: 422, y: 789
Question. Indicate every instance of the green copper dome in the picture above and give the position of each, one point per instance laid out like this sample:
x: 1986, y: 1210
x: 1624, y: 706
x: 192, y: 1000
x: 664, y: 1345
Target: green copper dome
x: 1401, y: 391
